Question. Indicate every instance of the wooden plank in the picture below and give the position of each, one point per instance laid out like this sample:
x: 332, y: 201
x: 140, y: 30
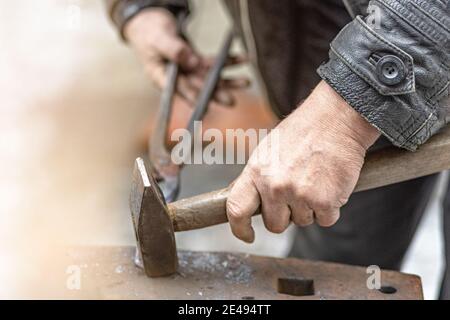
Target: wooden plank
x: 392, y: 165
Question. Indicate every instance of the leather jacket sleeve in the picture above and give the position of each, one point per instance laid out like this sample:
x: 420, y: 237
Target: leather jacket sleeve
x: 393, y: 67
x: 121, y: 11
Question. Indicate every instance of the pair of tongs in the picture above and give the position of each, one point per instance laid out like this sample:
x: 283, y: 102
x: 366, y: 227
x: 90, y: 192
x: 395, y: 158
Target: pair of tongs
x: 163, y: 168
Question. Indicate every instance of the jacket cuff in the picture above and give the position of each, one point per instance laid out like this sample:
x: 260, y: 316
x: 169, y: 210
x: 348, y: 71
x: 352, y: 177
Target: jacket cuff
x: 377, y: 79
x: 124, y: 10
x: 402, y: 125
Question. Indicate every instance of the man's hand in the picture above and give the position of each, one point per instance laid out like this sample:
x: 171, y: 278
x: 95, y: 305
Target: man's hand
x: 153, y: 35
x: 312, y: 172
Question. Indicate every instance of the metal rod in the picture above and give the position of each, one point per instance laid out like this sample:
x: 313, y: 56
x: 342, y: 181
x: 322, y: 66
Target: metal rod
x: 210, y: 83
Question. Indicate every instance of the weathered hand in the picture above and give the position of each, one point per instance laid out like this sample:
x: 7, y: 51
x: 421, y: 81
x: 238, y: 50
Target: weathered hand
x: 311, y: 172
x: 153, y: 35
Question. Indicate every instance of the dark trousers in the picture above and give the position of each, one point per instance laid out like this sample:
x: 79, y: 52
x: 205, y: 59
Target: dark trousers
x: 376, y: 228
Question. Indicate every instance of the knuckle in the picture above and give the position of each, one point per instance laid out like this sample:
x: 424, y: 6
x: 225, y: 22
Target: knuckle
x: 175, y: 54
x: 179, y: 50
x: 301, y: 193
x: 321, y: 204
x: 279, y: 186
x: 303, y: 220
x: 252, y: 167
x: 343, y: 201
x: 234, y: 210
x: 327, y: 220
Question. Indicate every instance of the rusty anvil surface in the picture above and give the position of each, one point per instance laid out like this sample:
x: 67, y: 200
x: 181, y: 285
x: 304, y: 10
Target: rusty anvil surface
x: 109, y: 273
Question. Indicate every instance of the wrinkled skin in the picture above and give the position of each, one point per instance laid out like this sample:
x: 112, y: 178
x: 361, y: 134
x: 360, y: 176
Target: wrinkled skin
x: 311, y: 175
x: 153, y: 35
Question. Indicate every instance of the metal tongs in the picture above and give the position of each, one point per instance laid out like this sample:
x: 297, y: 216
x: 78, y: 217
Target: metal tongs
x: 164, y: 169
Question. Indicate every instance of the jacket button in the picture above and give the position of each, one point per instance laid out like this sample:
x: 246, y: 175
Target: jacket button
x: 391, y: 70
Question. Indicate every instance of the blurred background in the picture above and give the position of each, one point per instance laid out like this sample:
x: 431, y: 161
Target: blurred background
x: 75, y: 107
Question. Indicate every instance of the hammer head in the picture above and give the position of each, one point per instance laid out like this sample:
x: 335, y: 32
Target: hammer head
x: 156, y: 248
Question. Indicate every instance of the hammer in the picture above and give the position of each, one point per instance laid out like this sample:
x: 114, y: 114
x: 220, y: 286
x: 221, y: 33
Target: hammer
x: 155, y: 221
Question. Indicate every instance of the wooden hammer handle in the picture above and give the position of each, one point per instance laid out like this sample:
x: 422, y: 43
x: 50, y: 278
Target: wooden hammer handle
x: 381, y: 168
x: 201, y: 211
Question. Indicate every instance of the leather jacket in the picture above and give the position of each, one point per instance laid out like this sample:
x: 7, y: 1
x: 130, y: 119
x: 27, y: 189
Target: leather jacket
x: 389, y: 59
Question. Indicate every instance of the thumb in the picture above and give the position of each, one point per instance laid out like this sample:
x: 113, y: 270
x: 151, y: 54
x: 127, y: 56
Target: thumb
x: 242, y: 203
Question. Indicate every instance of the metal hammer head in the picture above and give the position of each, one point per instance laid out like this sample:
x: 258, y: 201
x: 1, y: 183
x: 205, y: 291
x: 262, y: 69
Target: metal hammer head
x: 156, y: 248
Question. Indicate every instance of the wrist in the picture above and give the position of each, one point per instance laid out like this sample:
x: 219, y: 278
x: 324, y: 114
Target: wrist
x: 337, y: 115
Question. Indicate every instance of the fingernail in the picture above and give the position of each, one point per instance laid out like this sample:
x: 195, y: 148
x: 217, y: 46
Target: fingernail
x: 250, y: 238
